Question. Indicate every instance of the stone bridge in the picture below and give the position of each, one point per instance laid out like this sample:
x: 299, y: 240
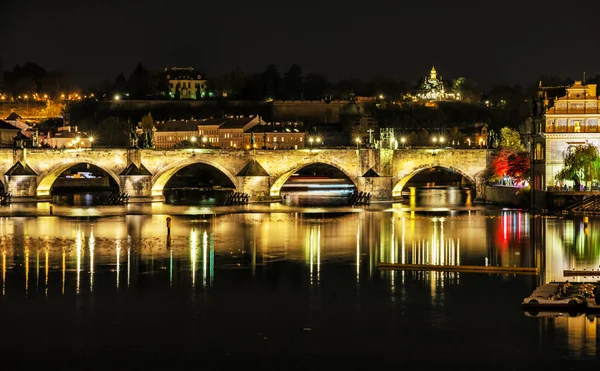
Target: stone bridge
x: 30, y: 173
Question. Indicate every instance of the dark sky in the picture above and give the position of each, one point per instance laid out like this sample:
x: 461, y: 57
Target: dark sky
x: 512, y: 42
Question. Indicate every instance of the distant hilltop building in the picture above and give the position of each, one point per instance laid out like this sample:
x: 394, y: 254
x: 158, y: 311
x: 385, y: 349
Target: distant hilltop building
x: 432, y: 89
x: 185, y: 83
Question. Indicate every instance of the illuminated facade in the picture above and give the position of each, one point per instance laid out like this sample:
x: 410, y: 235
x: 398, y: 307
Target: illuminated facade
x: 570, y: 120
x: 226, y: 132
x: 432, y: 88
x: 185, y: 83
x: 275, y: 136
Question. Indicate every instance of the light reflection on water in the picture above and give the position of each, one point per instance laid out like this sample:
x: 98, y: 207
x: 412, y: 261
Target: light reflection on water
x: 56, y: 256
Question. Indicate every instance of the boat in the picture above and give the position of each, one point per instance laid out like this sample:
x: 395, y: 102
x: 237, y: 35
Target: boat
x: 573, y: 297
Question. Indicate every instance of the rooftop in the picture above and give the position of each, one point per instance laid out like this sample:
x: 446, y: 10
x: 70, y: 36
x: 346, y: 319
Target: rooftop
x: 13, y: 117
x: 6, y: 126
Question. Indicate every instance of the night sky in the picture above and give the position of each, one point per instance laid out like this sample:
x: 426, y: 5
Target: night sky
x: 511, y: 42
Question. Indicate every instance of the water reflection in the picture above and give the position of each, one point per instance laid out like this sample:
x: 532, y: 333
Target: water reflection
x: 311, y: 251
x: 578, y: 333
x: 138, y: 242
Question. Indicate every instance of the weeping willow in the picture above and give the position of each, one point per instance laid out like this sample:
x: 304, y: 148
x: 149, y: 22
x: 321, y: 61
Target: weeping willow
x: 581, y: 163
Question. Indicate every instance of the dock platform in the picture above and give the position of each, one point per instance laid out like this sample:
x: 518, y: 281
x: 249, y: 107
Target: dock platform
x: 581, y: 273
x: 459, y: 268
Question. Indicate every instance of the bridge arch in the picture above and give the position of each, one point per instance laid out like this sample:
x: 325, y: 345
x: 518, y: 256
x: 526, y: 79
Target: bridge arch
x: 281, y: 179
x: 402, y: 179
x: 160, y: 179
x: 46, y: 179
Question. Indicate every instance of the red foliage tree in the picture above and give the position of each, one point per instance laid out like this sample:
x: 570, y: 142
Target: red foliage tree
x: 518, y: 165
x: 500, y: 165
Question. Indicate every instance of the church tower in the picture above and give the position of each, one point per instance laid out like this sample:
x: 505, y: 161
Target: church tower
x: 433, y: 73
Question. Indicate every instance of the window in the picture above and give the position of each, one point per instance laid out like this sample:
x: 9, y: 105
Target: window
x: 539, y: 151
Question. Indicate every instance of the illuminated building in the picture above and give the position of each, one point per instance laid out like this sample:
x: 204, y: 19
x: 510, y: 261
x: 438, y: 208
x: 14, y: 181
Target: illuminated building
x: 185, y: 83
x: 432, y: 89
x: 569, y: 120
x: 68, y: 139
x: 231, y: 132
x: 226, y: 132
x: 7, y: 133
x: 278, y: 135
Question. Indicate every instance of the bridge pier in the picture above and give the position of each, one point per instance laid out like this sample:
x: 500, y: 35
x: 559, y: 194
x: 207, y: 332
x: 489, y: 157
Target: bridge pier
x: 257, y: 187
x: 380, y: 188
x: 138, y: 187
x: 21, y: 183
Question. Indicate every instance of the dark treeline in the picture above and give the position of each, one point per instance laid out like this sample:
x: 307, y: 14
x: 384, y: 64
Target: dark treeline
x: 270, y: 84
x: 499, y: 106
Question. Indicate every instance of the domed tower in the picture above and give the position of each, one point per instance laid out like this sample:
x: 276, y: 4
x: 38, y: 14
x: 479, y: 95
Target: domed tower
x: 433, y: 73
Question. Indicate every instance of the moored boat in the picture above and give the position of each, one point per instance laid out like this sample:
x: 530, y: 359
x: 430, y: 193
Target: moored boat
x: 569, y: 296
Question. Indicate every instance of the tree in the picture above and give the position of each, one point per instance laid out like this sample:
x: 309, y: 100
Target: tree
x: 468, y: 89
x: 510, y: 139
x: 391, y: 87
x: 580, y: 163
x: 120, y: 85
x: 499, y: 166
x: 455, y: 136
x: 113, y: 132
x: 229, y: 85
x: 519, y: 165
x: 147, y: 122
x: 316, y: 86
x: 422, y: 137
x: 294, y: 83
x: 148, y: 131
x: 139, y: 83
x: 271, y: 79
x: 253, y: 88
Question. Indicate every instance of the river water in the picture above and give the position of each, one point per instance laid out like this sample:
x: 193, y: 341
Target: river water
x: 274, y: 286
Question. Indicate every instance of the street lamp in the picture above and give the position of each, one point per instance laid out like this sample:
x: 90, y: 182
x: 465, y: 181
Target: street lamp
x: 434, y: 139
x: 357, y: 140
x: 318, y: 141
x: 193, y: 139
x: 91, y: 140
x: 311, y: 140
x: 442, y: 139
x: 204, y: 141
x: 403, y: 141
